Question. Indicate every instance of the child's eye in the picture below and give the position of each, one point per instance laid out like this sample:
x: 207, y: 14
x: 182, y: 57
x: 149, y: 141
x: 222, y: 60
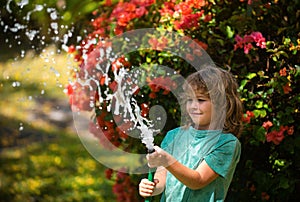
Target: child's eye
x: 189, y: 100
x: 200, y: 100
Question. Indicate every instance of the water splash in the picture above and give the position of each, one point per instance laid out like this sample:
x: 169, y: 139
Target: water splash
x: 21, y: 127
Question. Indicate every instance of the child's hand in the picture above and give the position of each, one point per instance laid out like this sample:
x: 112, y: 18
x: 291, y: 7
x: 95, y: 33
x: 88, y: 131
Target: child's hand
x: 146, y: 187
x: 159, y: 158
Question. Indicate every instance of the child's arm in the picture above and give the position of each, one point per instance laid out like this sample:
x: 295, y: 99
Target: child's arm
x: 148, y: 188
x: 194, y: 179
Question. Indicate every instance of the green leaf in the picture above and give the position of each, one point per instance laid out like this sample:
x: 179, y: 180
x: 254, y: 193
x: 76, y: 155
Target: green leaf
x: 160, y: 60
x: 260, y: 113
x: 284, y: 183
x: 283, y: 53
x: 229, y: 32
x: 259, y: 104
x: 297, y: 70
x: 270, y: 91
x: 259, y: 134
x: 274, y: 58
x: 251, y: 75
x: 242, y: 85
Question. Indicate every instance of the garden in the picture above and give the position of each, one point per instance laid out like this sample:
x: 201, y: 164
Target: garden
x: 88, y: 53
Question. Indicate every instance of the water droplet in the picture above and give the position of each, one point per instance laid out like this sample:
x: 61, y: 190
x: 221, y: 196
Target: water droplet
x: 53, y: 15
x: 23, y: 3
x: 16, y: 84
x: 39, y: 7
x: 22, y: 53
x: 57, y: 74
x: 54, y: 25
x: 7, y: 6
x: 31, y: 34
x: 21, y: 127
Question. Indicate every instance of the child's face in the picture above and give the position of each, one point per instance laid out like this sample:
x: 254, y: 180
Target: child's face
x: 199, y: 108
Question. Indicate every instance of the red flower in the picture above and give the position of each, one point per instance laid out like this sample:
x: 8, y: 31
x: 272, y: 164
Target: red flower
x: 167, y: 9
x: 265, y: 196
x: 102, y: 80
x: 189, y: 56
x: 188, y: 21
x: 71, y: 49
x: 158, y: 44
x: 207, y: 18
x: 152, y: 95
x: 196, y: 3
x: 282, y: 72
x: 165, y: 83
x: 287, y: 88
x: 140, y: 11
x: 144, y: 109
x: 267, y: 125
x: 118, y: 63
x: 113, y: 86
x: 108, y: 173
x: 183, y: 8
x: 290, y: 130
x: 143, y: 3
x: 250, y: 114
x: 276, y: 136
x: 247, y: 117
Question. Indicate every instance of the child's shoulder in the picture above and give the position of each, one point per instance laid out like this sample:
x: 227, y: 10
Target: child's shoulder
x: 176, y: 131
x: 228, y: 138
x: 171, y: 134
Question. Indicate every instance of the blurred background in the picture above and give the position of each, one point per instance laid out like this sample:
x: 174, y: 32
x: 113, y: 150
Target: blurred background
x: 41, y: 157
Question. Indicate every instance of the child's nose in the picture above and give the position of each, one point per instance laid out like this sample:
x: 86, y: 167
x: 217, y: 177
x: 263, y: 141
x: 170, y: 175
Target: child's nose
x: 194, y: 104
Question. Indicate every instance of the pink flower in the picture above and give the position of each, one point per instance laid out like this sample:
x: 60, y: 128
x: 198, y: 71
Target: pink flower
x: 267, y: 125
x: 239, y: 42
x: 140, y: 11
x: 259, y: 39
x: 247, y: 40
x: 247, y: 48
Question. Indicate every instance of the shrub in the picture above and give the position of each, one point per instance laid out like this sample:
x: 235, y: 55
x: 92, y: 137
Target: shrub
x: 258, y: 40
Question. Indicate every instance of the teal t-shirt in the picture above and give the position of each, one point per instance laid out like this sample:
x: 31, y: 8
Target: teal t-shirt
x: 190, y: 147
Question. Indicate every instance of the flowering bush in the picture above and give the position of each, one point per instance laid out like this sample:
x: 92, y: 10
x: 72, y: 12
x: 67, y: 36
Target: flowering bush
x: 257, y: 40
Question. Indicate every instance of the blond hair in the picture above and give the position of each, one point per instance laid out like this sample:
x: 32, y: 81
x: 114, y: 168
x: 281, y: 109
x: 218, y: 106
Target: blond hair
x: 220, y: 87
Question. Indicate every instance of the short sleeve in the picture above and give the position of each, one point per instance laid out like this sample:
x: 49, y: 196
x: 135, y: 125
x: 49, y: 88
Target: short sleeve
x: 168, y: 141
x: 225, y: 156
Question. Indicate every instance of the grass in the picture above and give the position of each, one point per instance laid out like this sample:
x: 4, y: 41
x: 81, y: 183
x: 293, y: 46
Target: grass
x: 43, y: 159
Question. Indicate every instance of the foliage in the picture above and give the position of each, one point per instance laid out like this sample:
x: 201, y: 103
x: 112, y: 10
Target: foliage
x: 52, y: 171
x: 258, y: 40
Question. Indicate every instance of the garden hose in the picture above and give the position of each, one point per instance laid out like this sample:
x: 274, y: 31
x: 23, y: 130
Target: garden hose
x: 150, y: 176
